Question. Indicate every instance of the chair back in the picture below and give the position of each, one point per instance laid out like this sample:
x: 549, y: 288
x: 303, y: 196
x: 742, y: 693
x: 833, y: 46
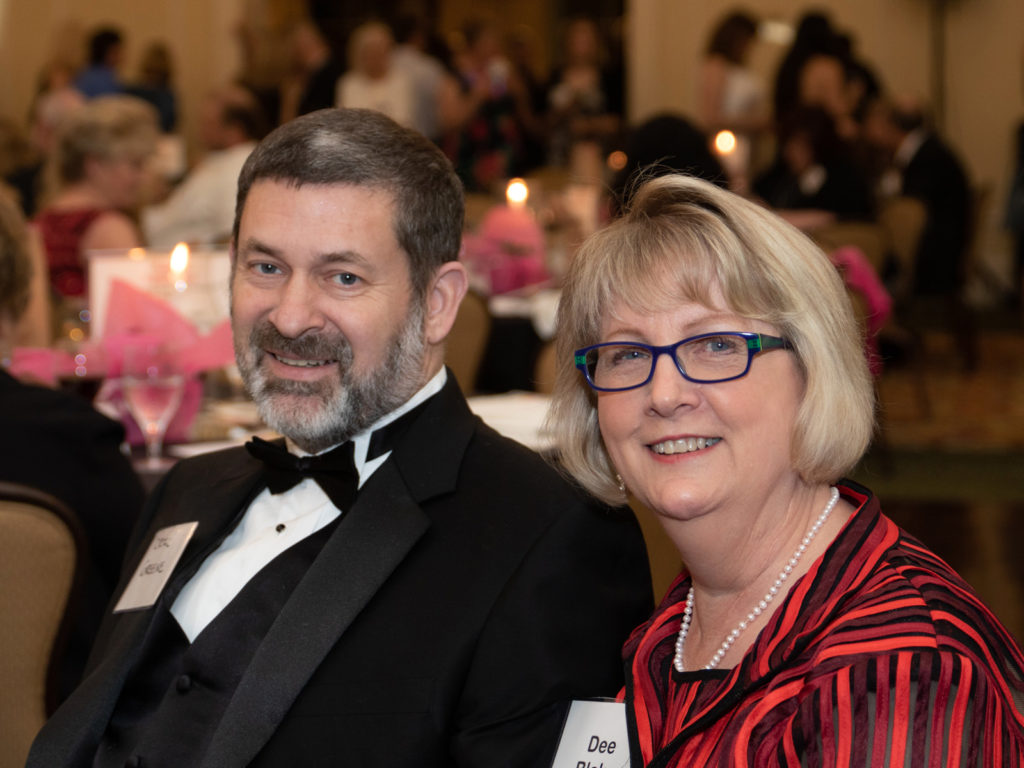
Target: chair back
x: 903, y: 219
x: 662, y: 555
x: 545, y: 370
x: 41, y: 549
x: 869, y: 238
x: 975, y: 266
x: 467, y: 340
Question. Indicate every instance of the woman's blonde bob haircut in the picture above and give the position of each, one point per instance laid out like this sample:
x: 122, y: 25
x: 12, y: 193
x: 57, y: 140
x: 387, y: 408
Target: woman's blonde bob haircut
x: 107, y: 128
x: 682, y: 240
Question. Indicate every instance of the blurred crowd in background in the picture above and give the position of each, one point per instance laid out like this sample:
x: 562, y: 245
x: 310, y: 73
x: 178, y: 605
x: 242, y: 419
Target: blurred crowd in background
x: 100, y: 161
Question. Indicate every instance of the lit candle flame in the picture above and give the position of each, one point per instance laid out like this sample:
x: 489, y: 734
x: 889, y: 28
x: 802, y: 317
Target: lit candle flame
x: 725, y: 142
x: 179, y: 267
x: 516, y: 193
x: 179, y: 259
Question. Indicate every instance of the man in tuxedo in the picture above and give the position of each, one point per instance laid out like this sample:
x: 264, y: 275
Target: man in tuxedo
x: 396, y: 584
x: 926, y: 168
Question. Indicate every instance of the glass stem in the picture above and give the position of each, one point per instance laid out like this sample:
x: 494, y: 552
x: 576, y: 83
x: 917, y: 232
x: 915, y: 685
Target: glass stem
x: 154, y: 444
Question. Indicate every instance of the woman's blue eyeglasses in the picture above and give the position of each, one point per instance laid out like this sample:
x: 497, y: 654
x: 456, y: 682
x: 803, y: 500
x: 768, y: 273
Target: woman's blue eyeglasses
x: 705, y: 359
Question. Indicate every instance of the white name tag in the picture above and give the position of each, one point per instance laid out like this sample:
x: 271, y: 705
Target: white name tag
x: 156, y: 567
x: 594, y: 736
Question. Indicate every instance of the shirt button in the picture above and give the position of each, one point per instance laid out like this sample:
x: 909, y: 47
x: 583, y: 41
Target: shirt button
x: 184, y: 684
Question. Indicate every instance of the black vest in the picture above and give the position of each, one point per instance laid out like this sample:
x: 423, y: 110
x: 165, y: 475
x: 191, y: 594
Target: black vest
x: 177, y: 692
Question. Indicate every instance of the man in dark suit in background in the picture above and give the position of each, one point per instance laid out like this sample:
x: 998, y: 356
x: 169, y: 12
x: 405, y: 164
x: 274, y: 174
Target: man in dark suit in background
x: 924, y: 167
x: 443, y: 614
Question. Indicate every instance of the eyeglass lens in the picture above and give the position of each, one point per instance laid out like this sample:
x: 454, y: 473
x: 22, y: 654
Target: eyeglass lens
x: 712, y: 358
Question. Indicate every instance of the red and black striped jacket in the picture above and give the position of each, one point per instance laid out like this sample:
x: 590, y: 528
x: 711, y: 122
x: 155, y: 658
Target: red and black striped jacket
x: 881, y: 655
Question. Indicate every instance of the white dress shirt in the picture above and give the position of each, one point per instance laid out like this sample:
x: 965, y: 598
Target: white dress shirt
x: 302, y: 511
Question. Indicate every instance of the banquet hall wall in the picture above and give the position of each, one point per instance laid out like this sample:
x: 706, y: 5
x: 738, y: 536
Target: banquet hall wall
x: 983, y: 38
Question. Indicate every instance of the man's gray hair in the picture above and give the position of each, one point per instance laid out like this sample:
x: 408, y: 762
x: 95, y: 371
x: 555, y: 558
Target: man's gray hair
x: 360, y: 147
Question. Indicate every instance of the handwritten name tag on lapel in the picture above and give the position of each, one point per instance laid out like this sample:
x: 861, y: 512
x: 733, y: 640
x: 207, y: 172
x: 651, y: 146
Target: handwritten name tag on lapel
x: 594, y: 736
x: 156, y: 567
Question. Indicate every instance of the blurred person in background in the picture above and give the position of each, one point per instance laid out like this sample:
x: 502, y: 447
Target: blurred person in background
x: 720, y: 380
x: 155, y: 84
x: 814, y: 35
x: 97, y: 171
x: 484, y: 107
x: 814, y: 182
x: 822, y: 69
x: 923, y: 166
x: 584, y: 95
x: 54, y: 100
x: 312, y: 76
x: 60, y: 445
x: 106, y: 53
x: 425, y: 71
x: 19, y: 163
x: 666, y: 143
x: 372, y: 81
x: 732, y: 97
x: 201, y: 209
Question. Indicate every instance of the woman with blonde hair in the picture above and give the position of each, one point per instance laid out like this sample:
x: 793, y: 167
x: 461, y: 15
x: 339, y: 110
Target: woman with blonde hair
x: 96, y: 172
x: 720, y: 380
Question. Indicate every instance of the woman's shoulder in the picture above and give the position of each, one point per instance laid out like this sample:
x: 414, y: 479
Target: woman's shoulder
x: 908, y: 599
x: 111, y: 228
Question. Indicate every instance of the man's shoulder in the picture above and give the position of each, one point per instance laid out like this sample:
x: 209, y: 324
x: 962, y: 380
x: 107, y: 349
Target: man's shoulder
x: 515, y: 472
x: 212, y: 466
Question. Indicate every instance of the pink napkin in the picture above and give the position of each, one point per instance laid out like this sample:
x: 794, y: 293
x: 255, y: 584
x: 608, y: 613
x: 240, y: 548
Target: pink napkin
x: 133, y: 312
x: 860, y: 276
x: 134, y: 316
x: 39, y: 364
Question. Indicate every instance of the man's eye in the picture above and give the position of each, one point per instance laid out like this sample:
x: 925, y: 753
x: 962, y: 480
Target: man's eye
x: 346, y: 278
x: 264, y: 268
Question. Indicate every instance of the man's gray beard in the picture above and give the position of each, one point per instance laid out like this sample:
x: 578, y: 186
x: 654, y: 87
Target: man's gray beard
x: 319, y: 414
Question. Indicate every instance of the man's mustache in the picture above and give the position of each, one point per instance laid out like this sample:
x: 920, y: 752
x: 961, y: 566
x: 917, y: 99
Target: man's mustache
x: 311, y: 346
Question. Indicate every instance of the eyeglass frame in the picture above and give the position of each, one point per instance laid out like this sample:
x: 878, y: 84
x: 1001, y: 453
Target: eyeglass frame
x: 756, y: 343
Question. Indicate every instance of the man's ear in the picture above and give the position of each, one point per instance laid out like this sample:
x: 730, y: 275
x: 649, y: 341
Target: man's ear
x: 443, y: 298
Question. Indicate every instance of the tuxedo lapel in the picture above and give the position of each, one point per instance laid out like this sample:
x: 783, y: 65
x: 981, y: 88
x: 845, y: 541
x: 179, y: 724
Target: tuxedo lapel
x: 368, y: 545
x: 429, y: 454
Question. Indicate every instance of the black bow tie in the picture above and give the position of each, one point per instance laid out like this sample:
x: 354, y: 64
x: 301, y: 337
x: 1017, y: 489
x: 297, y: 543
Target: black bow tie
x: 333, y: 471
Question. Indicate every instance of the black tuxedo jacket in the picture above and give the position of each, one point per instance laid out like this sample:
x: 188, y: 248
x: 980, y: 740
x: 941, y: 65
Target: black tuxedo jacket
x: 465, y: 598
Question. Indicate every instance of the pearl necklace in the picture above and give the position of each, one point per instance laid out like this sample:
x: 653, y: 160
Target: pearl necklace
x: 684, y: 627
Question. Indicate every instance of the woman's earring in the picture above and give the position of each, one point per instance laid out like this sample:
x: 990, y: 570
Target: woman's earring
x: 622, y: 483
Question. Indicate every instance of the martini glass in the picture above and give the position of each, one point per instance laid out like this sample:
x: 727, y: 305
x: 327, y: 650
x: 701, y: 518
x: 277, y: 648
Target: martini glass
x: 153, y: 383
